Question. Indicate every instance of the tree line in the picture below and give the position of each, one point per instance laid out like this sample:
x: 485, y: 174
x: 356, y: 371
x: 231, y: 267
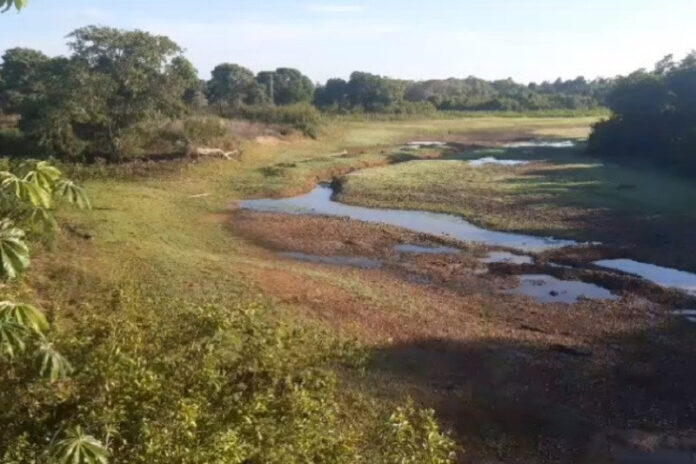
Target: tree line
x: 653, y: 116
x: 232, y: 85
x: 93, y: 102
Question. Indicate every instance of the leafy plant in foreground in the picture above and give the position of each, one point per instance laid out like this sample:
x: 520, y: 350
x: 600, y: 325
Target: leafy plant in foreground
x: 27, y: 194
x: 7, y: 4
x: 14, y: 251
x: 79, y: 447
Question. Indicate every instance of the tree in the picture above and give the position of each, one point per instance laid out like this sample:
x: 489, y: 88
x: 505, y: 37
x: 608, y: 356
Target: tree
x: 639, y: 96
x: 19, y: 77
x: 334, y: 93
x: 287, y: 85
x: 654, y: 116
x: 113, y: 81
x: 184, y: 79
x: 233, y: 85
x: 373, y: 92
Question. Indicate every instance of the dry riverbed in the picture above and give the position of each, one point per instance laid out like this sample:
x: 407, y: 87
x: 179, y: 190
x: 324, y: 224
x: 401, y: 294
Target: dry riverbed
x: 514, y: 377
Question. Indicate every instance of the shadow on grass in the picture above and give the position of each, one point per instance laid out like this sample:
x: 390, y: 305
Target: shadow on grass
x: 514, y: 397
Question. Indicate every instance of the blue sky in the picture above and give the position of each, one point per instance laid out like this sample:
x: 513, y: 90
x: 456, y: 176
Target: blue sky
x: 523, y: 39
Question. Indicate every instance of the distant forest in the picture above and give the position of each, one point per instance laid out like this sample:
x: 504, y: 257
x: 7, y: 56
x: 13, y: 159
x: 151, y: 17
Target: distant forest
x: 233, y: 85
x: 126, y: 93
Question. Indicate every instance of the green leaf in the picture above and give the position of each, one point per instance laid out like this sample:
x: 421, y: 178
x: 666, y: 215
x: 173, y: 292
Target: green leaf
x: 14, y: 253
x: 53, y: 364
x: 44, y: 175
x: 73, y: 193
x: 25, y: 190
x: 27, y: 316
x: 12, y: 338
x: 7, y: 4
x: 80, y: 448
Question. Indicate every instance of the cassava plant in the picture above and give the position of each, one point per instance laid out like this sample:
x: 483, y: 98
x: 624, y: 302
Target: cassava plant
x: 27, y: 196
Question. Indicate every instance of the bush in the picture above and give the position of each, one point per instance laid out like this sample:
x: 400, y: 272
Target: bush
x: 204, y: 130
x: 301, y: 116
x: 162, y: 381
x: 172, y: 138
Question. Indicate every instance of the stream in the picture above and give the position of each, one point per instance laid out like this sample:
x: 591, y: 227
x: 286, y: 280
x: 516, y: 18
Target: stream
x: 319, y: 202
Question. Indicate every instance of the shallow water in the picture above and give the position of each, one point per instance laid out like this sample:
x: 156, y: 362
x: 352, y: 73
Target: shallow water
x: 319, y: 202
x: 350, y: 261
x: 441, y: 250
x: 663, y: 276
x: 548, y: 289
x: 506, y: 257
x: 425, y: 143
x: 541, y: 144
x: 493, y: 160
x: 687, y: 314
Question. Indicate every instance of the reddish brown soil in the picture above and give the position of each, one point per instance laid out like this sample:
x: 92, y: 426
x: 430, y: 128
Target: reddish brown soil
x: 516, y: 380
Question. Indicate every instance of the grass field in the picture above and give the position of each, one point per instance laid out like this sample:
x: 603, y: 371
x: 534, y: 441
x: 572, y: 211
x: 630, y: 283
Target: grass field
x: 177, y: 233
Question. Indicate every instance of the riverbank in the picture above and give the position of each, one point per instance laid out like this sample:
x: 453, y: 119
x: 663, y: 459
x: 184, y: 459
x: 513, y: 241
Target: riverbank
x: 510, y: 376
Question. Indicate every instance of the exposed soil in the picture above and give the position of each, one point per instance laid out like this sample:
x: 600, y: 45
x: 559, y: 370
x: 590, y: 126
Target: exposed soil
x: 517, y: 381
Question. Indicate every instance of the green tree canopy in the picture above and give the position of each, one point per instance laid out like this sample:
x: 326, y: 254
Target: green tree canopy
x: 113, y: 81
x: 335, y: 92
x: 287, y: 85
x: 19, y: 77
x: 233, y: 85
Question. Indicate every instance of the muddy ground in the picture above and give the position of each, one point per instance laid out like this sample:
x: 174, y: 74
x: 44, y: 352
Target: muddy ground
x: 516, y: 380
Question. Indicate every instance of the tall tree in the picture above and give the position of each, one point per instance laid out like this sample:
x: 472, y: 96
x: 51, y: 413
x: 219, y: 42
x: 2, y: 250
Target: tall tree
x: 334, y: 93
x: 19, y: 77
x: 113, y: 81
x: 233, y: 85
x: 287, y: 85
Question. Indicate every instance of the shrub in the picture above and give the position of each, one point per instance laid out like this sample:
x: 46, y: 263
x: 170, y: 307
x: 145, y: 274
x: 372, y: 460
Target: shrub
x: 301, y: 116
x: 162, y: 381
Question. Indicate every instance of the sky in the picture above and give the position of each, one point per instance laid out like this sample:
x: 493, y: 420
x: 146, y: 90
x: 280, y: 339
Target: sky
x: 528, y: 40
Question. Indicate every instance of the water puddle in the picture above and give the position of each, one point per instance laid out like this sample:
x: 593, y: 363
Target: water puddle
x: 541, y: 144
x: 548, y: 289
x: 493, y: 160
x: 506, y: 257
x: 319, y: 202
x: 350, y: 261
x: 441, y: 250
x: 655, y: 457
x: 663, y: 276
x: 687, y: 314
x: 560, y: 266
x: 426, y: 144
